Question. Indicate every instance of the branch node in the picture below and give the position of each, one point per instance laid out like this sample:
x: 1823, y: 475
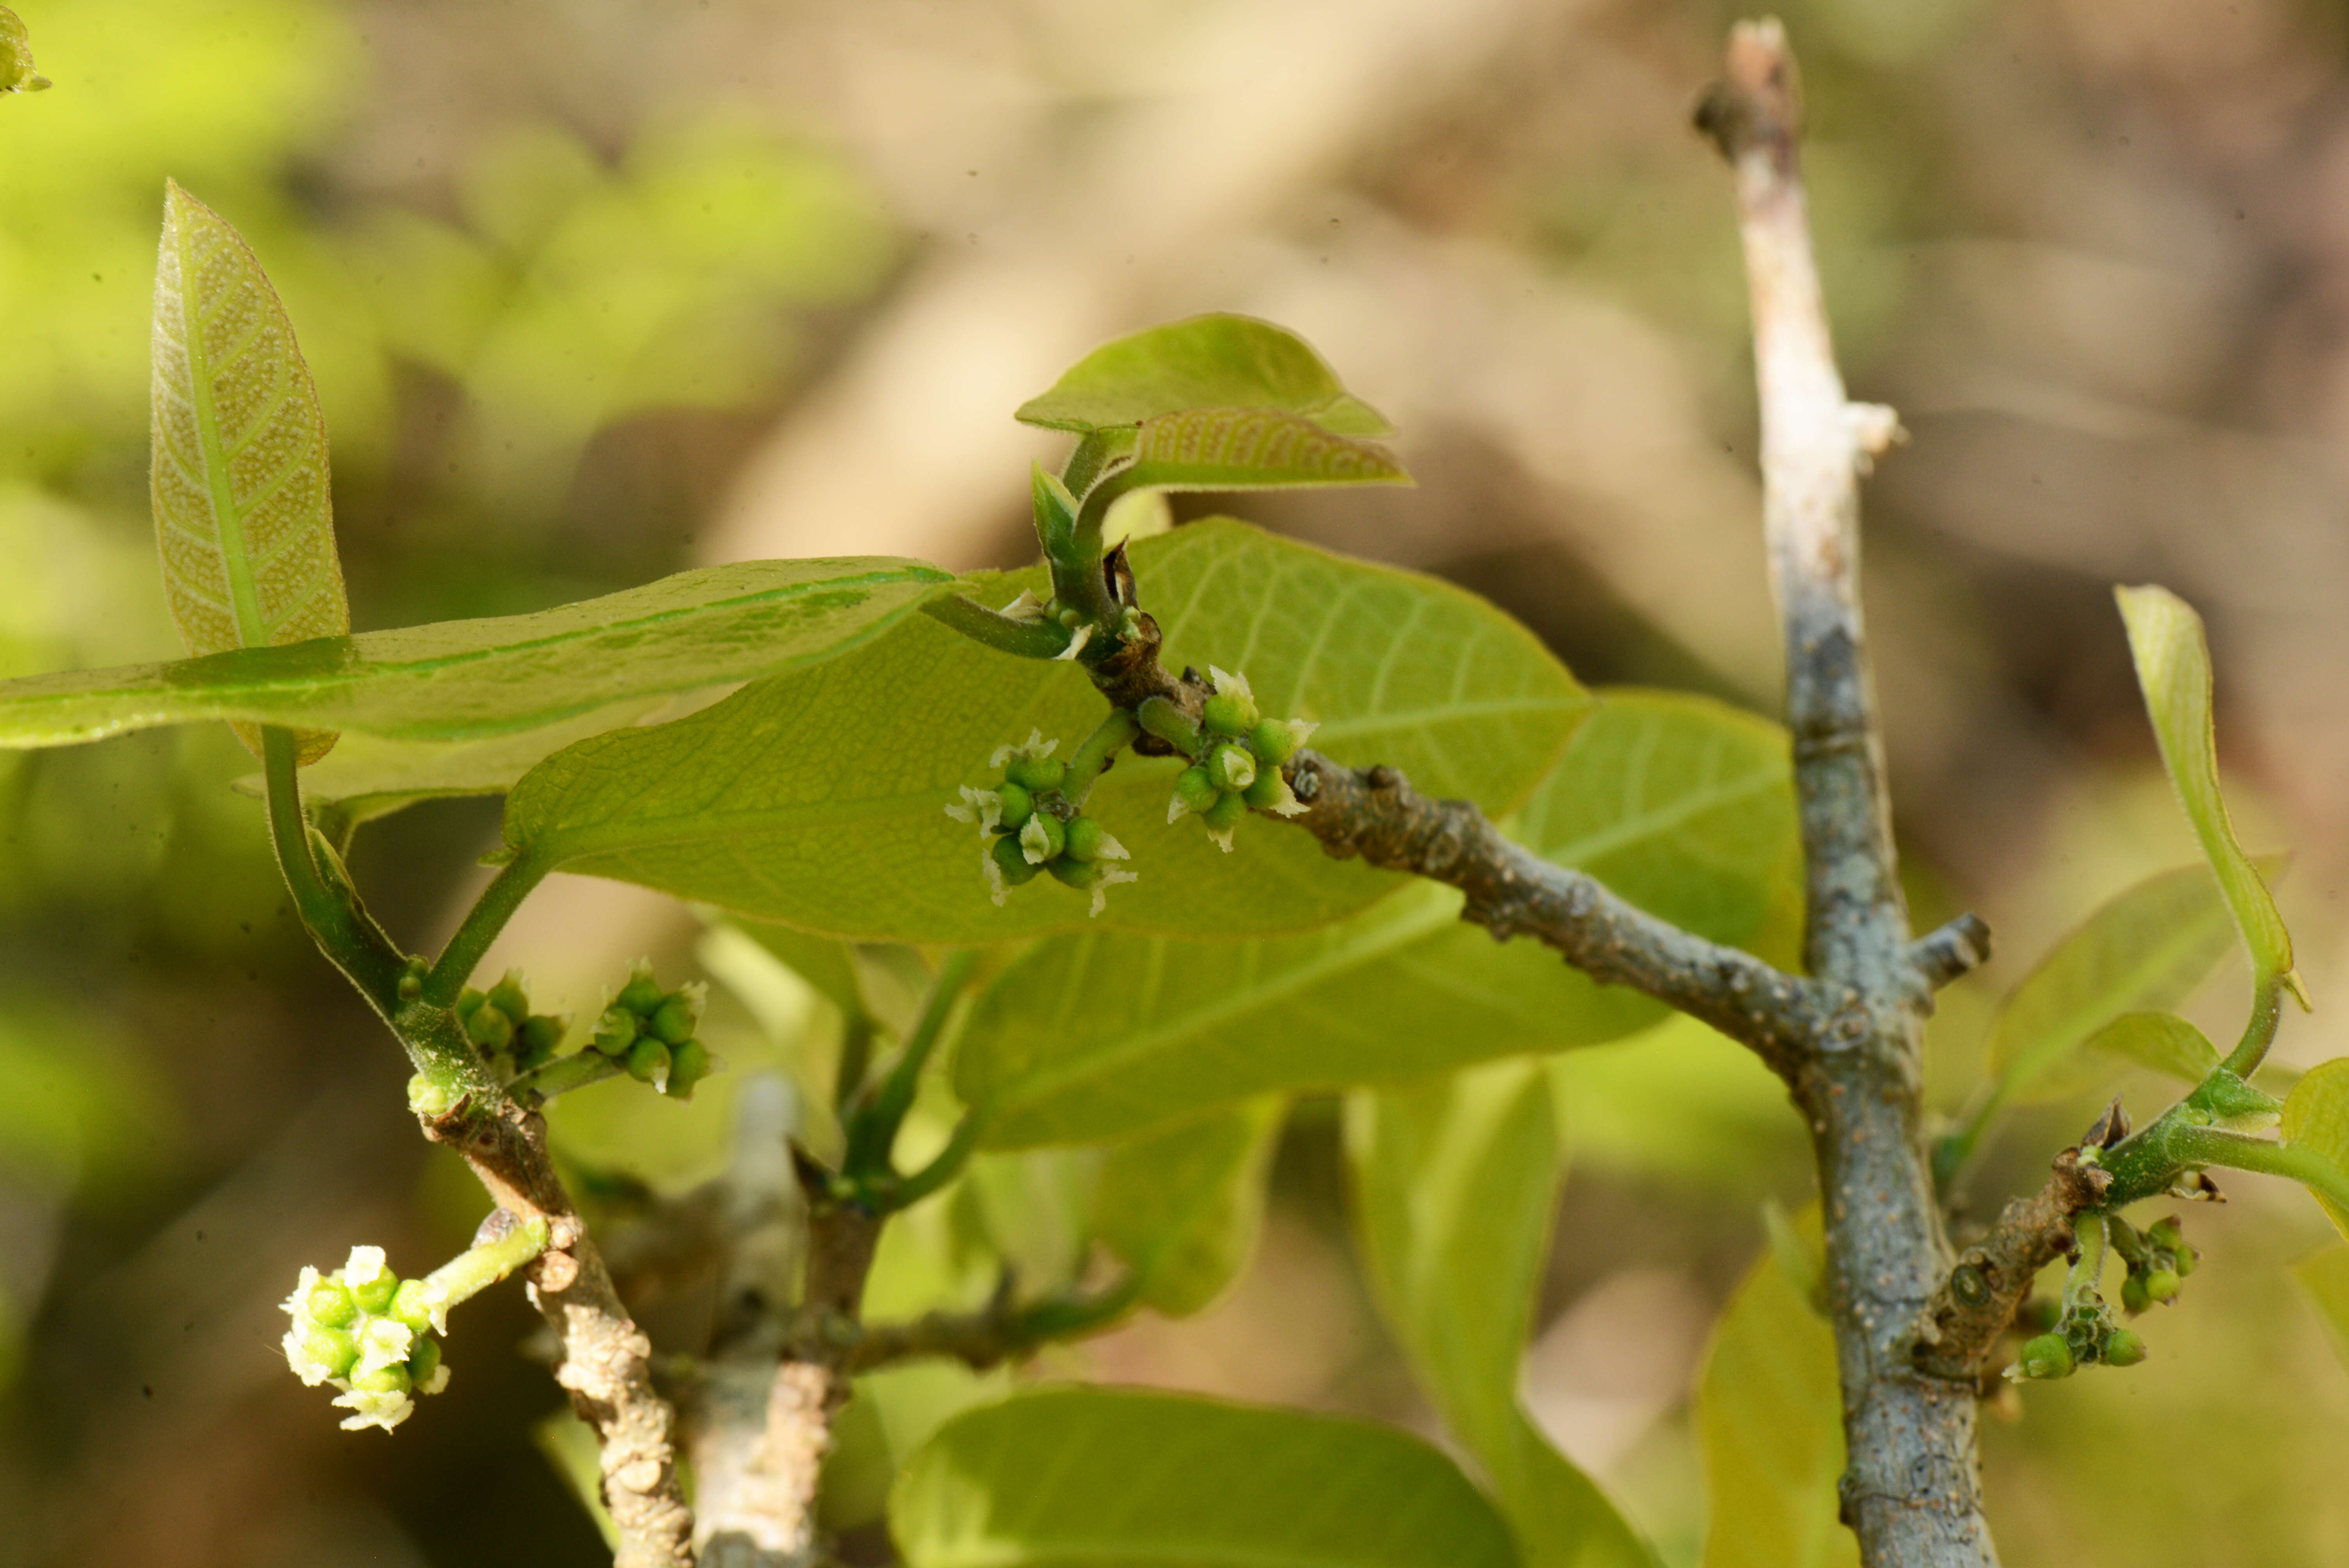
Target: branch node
x: 1951, y: 951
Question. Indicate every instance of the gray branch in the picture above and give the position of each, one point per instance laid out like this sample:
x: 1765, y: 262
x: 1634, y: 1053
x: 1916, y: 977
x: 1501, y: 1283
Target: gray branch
x: 1978, y: 1301
x: 1913, y: 1493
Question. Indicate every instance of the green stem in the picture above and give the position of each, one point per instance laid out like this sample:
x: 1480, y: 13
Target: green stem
x: 873, y: 1127
x: 855, y: 1060
x: 2260, y: 1032
x: 476, y: 1269
x: 2081, y: 1281
x: 481, y: 924
x: 2238, y: 1152
x: 1026, y: 639
x: 1093, y: 753
x: 1093, y: 454
x: 1074, y: 1317
x: 940, y: 1170
x: 563, y: 1073
x: 344, y: 932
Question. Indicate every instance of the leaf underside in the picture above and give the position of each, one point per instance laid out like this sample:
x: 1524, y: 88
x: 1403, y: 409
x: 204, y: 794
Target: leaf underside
x: 243, y: 503
x: 1252, y: 449
x: 1183, y: 1206
x: 2317, y: 1116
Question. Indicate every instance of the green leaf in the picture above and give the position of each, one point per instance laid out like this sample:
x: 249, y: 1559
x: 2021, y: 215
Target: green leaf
x: 2163, y: 1042
x: 1183, y: 1206
x: 1678, y: 803
x: 1770, y: 1420
x: 771, y: 805
x: 1251, y: 448
x: 16, y: 73
x: 2173, y: 669
x: 2143, y: 950
x: 2325, y: 1278
x: 464, y: 681
x: 1207, y: 362
x: 2317, y: 1116
x: 828, y: 966
x: 1454, y: 1182
x: 243, y: 508
x: 1087, y: 1478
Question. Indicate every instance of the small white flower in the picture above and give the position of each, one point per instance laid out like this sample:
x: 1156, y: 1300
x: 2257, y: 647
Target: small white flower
x: 384, y: 1342
x: 364, y: 1266
x: 1110, y: 877
x: 1222, y: 837
x: 1026, y: 607
x: 385, y: 1410
x: 1229, y: 684
x: 1076, y: 644
x: 1289, y: 805
x: 1034, y: 746
x: 1111, y: 849
x: 996, y: 890
x: 298, y: 1304
x: 1035, y: 847
x: 1177, y: 808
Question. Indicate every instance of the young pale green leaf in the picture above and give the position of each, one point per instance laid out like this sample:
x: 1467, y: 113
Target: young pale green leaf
x: 1085, y: 1477
x: 1251, y: 448
x: 2325, y: 1279
x: 1770, y: 1420
x: 1679, y: 804
x: 1455, y: 1182
x: 774, y: 805
x: 2317, y: 1116
x: 243, y: 508
x: 467, y: 681
x: 2163, y: 1042
x: 1183, y: 1205
x: 2173, y: 669
x: 828, y: 966
x: 16, y: 73
x: 1207, y: 362
x: 2143, y: 950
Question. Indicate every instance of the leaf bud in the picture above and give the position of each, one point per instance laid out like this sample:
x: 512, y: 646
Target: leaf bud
x: 1273, y: 741
x: 672, y: 1022
x: 616, y: 1031
x: 2047, y: 1357
x: 1224, y: 814
x: 1231, y: 713
x: 329, y: 1303
x: 1194, y: 792
x: 411, y: 980
x: 649, y: 1062
x: 1043, y: 839
x: 1230, y: 767
x: 688, y: 1064
x: 1036, y: 774
x: 642, y: 995
x: 508, y: 997
x: 2161, y: 1285
x: 1011, y: 861
x: 1016, y: 807
x: 429, y: 1098
x: 2123, y: 1347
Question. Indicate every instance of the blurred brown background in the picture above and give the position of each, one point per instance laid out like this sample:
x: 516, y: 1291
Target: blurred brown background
x: 598, y: 289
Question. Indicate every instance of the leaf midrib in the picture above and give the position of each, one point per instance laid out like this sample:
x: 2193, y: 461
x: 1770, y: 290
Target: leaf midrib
x: 228, y: 522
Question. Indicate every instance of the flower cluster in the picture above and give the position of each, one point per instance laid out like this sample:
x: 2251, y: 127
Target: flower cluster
x: 1027, y: 825
x: 650, y: 1031
x: 509, y: 1037
x: 2158, y: 1260
x: 1236, y: 756
x: 369, y: 1332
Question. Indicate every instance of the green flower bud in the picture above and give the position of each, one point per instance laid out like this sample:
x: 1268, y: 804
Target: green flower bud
x: 1229, y: 713
x: 1194, y: 791
x: 391, y: 1380
x: 2164, y: 1231
x: 2047, y: 1357
x: 539, y: 1037
x: 642, y: 995
x: 1086, y: 839
x: 490, y: 1028
x: 648, y: 1061
x: 673, y: 1022
x: 1230, y: 767
x: 329, y: 1352
x: 1224, y: 814
x: 329, y: 1303
x: 1269, y: 790
x: 2122, y: 1347
x: 1273, y: 742
x: 507, y: 998
x: 1036, y: 774
x: 1016, y: 807
x: 1043, y: 839
x: 616, y: 1031
x: 420, y: 1306
x: 1077, y: 875
x: 424, y: 1366
x: 2161, y: 1285
x: 688, y: 1064
x: 2135, y: 1298
x: 1012, y: 860
x: 2183, y: 1259
x: 373, y: 1295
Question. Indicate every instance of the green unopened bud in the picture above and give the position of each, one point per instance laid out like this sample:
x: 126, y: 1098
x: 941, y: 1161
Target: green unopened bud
x: 642, y: 995
x: 688, y: 1064
x: 424, y: 1369
x: 539, y: 1037
x: 469, y: 1002
x: 1043, y: 839
x: 429, y: 1098
x: 508, y: 997
x: 330, y: 1303
x: 1086, y: 839
x: 2164, y: 1231
x: 1017, y: 806
x: 1269, y: 790
x: 2135, y: 1298
x: 1230, y: 767
x: 2123, y: 1347
x: 1194, y: 792
x: 1036, y: 774
x: 1079, y: 875
x: 2047, y: 1357
x: 2183, y: 1259
x: 1012, y: 861
x: 616, y: 1031
x: 1224, y: 814
x: 1273, y: 742
x: 490, y: 1028
x: 672, y: 1024
x: 326, y: 1352
x: 648, y: 1061
x: 2161, y: 1285
x: 391, y: 1380
x: 418, y: 1306
x: 1229, y: 713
